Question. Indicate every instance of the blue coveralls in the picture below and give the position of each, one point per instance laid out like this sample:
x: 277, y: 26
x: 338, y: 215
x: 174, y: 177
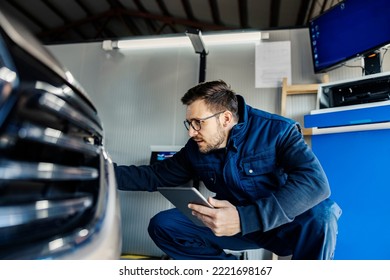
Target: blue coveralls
x: 268, y: 172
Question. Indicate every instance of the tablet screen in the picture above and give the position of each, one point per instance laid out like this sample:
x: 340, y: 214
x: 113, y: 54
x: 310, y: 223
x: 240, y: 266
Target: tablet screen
x: 182, y: 196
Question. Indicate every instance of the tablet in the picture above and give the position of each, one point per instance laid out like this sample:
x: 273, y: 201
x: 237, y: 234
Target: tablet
x: 181, y: 197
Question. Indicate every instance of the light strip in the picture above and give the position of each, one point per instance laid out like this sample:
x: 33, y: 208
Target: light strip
x: 163, y: 42
x: 183, y: 41
x: 232, y: 38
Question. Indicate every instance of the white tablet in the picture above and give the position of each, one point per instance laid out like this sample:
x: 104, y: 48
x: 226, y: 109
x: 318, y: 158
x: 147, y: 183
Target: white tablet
x: 182, y: 196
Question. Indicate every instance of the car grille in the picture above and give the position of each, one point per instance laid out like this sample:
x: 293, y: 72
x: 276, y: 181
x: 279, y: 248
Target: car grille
x: 51, y: 162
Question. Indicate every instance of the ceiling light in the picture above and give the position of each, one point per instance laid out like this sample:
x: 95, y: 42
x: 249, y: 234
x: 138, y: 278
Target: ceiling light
x: 225, y: 38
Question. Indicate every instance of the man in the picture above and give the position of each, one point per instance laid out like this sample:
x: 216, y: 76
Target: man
x: 271, y: 191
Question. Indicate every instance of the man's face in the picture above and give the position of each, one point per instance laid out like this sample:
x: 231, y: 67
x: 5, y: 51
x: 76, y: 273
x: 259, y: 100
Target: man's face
x: 212, y: 134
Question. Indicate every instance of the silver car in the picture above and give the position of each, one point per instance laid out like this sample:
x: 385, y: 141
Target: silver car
x: 58, y: 196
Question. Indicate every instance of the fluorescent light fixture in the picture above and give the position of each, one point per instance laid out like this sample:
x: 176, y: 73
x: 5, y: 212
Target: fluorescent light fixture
x: 225, y: 38
x: 232, y: 38
x: 163, y: 42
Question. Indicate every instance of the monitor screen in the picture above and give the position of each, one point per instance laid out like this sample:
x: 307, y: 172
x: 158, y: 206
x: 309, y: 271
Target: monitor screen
x: 159, y: 153
x: 350, y: 29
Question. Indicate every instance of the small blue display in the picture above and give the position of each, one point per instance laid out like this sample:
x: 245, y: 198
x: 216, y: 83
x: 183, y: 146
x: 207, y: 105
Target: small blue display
x: 160, y: 155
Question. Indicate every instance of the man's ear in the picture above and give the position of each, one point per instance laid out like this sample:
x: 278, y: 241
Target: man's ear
x: 227, y: 118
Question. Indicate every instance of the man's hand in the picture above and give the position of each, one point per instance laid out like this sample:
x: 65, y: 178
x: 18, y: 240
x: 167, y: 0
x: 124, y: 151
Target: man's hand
x: 223, y: 220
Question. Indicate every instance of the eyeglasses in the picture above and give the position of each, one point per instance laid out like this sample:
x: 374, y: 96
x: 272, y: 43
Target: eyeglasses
x: 195, y: 123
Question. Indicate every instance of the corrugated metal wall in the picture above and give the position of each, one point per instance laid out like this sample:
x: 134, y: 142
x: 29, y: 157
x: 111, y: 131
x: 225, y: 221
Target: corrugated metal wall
x: 137, y: 94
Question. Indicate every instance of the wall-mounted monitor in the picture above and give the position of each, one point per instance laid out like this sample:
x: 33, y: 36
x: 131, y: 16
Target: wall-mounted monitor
x: 350, y: 29
x: 159, y: 153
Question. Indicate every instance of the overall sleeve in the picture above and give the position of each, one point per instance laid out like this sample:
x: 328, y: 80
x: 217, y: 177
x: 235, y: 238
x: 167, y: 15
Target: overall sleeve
x: 305, y: 187
x: 170, y: 172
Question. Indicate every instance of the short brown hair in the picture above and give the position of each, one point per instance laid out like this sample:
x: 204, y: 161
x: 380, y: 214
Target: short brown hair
x: 216, y: 94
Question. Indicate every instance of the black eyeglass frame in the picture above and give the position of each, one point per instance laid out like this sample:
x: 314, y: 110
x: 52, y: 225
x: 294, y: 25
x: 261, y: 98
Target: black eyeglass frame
x: 188, y: 123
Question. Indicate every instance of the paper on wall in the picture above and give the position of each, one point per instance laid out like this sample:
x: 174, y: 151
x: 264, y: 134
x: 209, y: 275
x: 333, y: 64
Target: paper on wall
x: 273, y: 63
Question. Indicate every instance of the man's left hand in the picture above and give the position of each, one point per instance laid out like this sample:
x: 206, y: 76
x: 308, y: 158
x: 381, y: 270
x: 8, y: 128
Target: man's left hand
x: 223, y: 219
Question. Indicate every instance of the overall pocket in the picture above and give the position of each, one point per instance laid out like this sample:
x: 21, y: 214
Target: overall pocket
x: 260, y: 174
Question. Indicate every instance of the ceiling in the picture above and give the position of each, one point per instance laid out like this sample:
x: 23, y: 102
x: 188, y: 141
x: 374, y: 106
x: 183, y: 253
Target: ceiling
x: 71, y: 21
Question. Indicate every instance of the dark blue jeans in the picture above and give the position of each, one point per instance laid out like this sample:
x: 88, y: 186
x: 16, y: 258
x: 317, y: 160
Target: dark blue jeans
x: 311, y: 236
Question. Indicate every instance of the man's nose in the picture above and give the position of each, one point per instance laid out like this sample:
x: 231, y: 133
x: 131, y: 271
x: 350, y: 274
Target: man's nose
x: 192, y: 132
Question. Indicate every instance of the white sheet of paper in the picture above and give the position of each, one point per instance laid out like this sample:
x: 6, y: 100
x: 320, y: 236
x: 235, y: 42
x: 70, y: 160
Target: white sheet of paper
x: 273, y: 63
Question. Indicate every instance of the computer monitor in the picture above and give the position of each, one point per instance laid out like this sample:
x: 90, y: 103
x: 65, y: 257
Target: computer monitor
x: 159, y: 153
x: 350, y: 29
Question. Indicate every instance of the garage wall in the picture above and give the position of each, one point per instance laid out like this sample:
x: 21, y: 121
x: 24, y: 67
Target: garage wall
x: 137, y: 94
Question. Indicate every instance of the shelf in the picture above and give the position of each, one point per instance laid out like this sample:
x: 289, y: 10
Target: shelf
x: 298, y: 89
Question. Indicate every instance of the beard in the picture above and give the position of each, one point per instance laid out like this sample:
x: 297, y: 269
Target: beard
x: 215, y: 141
